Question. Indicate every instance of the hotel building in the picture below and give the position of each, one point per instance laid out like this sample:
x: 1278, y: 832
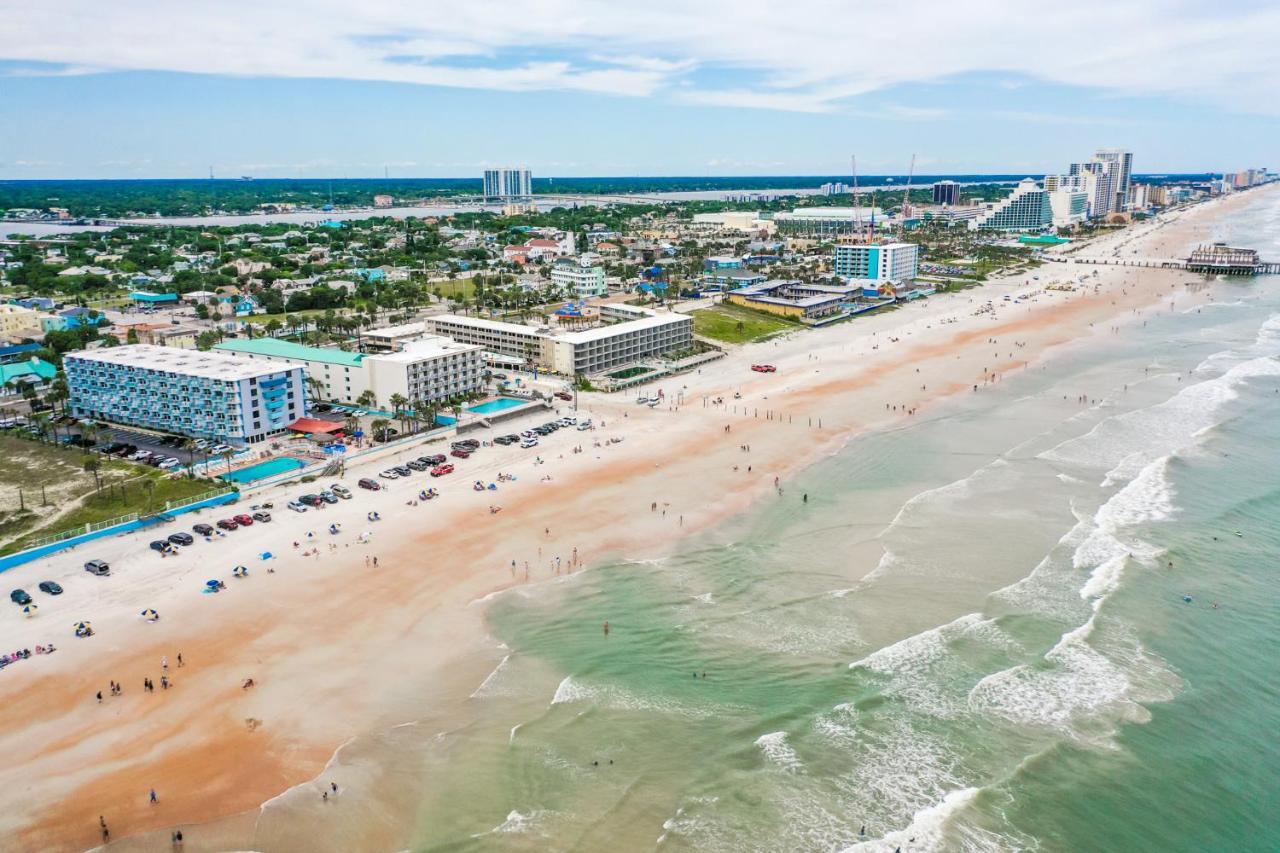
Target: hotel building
x: 428, y: 369
x: 1027, y: 208
x: 645, y: 335
x: 202, y: 394
x: 886, y: 262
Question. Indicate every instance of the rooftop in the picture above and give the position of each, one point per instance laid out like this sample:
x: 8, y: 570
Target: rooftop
x: 403, y: 330
x: 430, y: 347
x: 213, y: 365
x: 286, y: 349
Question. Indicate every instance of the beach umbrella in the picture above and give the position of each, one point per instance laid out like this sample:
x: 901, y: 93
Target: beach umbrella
x: 150, y: 615
x: 212, y: 584
x: 30, y: 609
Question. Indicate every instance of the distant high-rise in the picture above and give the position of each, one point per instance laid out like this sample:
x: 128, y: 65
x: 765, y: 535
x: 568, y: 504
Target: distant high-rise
x: 1117, y: 165
x: 946, y: 192
x: 1028, y: 208
x: 507, y: 183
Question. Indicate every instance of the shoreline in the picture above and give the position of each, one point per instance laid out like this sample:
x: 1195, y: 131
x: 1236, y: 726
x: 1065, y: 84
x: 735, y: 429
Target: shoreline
x: 84, y: 760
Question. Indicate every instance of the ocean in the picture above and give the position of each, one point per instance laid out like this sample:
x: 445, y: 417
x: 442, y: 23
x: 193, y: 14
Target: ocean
x: 1022, y: 621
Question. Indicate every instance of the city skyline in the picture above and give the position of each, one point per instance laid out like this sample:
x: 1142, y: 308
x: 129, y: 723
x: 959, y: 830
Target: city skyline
x: 141, y: 90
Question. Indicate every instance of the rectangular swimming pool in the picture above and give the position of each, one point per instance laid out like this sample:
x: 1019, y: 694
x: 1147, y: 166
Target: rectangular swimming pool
x: 263, y: 470
x: 499, y: 405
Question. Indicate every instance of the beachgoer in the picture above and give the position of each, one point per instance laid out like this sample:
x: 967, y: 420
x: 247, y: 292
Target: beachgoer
x: 179, y: 664
x: 99, y: 697
x: 334, y: 787
x: 154, y: 798
x: 606, y: 628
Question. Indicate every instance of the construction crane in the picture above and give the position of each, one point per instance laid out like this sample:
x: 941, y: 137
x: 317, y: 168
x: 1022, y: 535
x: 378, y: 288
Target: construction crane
x: 857, y: 199
x: 906, y: 197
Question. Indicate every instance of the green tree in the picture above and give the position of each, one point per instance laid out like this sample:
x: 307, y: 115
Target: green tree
x: 131, y: 337
x: 206, y: 340
x: 92, y: 465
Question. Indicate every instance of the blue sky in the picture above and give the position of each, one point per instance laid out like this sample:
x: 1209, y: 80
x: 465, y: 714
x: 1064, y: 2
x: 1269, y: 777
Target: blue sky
x: 138, y: 88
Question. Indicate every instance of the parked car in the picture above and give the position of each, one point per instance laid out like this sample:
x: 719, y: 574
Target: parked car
x: 169, y: 463
x: 311, y: 500
x: 584, y: 425
x: 97, y: 567
x: 504, y: 440
x: 297, y: 506
x: 468, y: 443
x: 244, y: 519
x: 328, y: 497
x: 161, y: 545
x: 19, y: 596
x: 436, y: 459
x: 417, y: 465
x: 459, y: 453
x: 403, y: 470
x: 529, y: 442
x: 441, y: 470
x: 341, y: 491
x: 203, y: 529
x: 219, y: 448
x: 50, y: 587
x: 227, y: 524
x: 371, y: 485
x: 764, y: 368
x: 564, y: 395
x: 181, y: 538
x: 262, y: 515
x: 389, y: 474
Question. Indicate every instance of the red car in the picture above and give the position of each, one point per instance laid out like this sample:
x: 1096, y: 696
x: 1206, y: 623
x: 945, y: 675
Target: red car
x: 764, y: 368
x: 564, y: 395
x: 228, y: 524
x: 441, y: 470
x: 459, y: 453
x: 244, y: 519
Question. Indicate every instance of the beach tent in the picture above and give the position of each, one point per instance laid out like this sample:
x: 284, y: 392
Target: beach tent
x: 30, y: 609
x: 150, y: 615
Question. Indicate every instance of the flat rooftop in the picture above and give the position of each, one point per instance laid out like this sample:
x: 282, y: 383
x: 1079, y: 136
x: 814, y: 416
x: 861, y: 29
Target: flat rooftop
x: 404, y: 330
x: 433, y: 346
x: 286, y: 349
x: 211, y: 365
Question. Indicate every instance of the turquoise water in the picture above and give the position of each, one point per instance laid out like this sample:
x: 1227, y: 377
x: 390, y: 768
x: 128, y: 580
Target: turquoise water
x: 1020, y: 622
x: 263, y: 470
x: 499, y: 405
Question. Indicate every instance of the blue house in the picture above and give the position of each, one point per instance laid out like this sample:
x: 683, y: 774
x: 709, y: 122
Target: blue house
x: 145, y: 299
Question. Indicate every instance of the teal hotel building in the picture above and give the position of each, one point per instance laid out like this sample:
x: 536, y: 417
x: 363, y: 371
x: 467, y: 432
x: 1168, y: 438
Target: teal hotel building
x: 211, y: 395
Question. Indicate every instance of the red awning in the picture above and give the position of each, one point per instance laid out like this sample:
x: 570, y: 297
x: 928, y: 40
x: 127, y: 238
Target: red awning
x: 313, y: 426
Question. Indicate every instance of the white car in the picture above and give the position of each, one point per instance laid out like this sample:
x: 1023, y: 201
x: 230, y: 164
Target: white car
x: 584, y: 425
x: 201, y: 443
x: 389, y: 475
x: 568, y: 420
x: 360, y: 414
x: 169, y: 463
x: 220, y: 448
x: 141, y: 455
x: 297, y: 506
x: 341, y: 491
x: 529, y: 442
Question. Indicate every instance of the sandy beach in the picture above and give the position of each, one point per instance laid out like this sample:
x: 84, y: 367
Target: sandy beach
x: 339, y: 648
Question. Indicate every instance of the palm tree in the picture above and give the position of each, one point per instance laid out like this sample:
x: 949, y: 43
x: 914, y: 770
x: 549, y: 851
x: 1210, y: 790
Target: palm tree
x: 226, y: 457
x: 351, y: 424
x: 149, y: 486
x: 315, y: 388
x: 397, y: 400
x: 41, y: 422
x: 189, y: 445
x: 58, y: 391
x: 92, y: 465
x: 368, y: 399
x: 379, y: 427
x: 273, y: 327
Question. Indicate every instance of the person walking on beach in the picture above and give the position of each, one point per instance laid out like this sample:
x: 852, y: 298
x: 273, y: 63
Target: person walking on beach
x: 154, y: 798
x: 180, y: 664
x: 164, y: 663
x: 333, y: 786
x: 164, y: 682
x: 99, y: 697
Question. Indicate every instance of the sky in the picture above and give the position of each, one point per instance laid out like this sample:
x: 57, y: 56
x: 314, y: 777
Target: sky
x: 362, y: 88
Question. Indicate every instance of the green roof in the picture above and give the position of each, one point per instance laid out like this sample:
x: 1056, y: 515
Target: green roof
x: 33, y: 369
x: 287, y: 349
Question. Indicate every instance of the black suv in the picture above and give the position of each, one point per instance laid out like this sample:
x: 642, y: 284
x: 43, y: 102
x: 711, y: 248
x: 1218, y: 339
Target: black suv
x: 203, y: 529
x: 181, y: 538
x: 19, y: 596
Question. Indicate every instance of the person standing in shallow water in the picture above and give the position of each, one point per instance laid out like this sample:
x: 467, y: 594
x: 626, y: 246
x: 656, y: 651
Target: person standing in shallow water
x: 606, y: 627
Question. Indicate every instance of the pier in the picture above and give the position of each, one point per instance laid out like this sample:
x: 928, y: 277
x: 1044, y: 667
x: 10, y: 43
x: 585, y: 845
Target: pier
x: 1217, y: 259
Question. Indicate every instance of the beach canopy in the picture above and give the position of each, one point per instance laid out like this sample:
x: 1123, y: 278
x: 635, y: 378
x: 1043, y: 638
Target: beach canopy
x: 29, y: 609
x: 212, y: 584
x: 150, y: 615
x: 239, y: 571
x: 267, y: 555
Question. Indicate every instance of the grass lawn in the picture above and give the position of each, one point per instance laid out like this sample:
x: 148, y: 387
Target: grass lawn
x: 458, y: 290
x: 26, y: 466
x: 735, y: 325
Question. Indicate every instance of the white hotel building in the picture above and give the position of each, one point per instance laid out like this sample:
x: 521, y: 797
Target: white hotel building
x: 202, y: 394
x: 647, y: 335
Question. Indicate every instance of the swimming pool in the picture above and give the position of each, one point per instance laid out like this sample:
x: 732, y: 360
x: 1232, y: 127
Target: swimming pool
x: 263, y: 470
x: 499, y: 405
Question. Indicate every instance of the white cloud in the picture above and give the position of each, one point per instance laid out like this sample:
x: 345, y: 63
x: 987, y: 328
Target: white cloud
x: 808, y: 55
